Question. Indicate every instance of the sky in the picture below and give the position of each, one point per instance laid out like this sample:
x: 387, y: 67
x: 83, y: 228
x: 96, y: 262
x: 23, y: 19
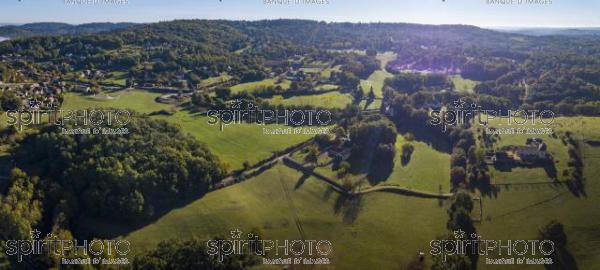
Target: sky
x: 485, y: 13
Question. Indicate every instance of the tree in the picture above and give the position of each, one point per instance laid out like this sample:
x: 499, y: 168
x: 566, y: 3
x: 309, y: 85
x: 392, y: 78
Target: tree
x: 555, y: 232
x: 343, y: 169
x: 407, y: 150
x: 457, y: 176
x: 458, y: 158
x: 190, y: 254
x: 561, y: 257
x: 9, y: 101
x: 358, y: 94
x: 223, y: 92
x: 119, y: 176
x: 371, y: 95
x: 312, y: 155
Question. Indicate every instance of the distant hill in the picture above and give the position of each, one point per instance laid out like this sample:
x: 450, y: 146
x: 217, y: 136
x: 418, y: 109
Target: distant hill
x: 594, y: 31
x: 50, y: 28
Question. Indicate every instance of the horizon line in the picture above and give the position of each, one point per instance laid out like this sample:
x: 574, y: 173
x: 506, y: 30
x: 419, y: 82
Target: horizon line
x: 314, y: 20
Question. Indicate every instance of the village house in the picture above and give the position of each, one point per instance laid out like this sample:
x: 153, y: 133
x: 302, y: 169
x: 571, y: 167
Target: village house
x: 532, y: 153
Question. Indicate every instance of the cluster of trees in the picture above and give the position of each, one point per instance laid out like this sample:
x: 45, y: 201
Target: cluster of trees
x: 361, y: 66
x: 536, y: 71
x: 561, y: 258
x: 414, y: 82
x: 10, y: 101
x: 409, y: 116
x: 577, y: 183
x: 373, y: 147
x: 117, y: 177
x: 468, y: 167
x: 190, y: 254
x: 459, y: 220
x: 8, y: 74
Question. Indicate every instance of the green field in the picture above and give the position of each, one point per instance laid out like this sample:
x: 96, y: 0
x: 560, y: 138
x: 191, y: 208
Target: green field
x: 555, y: 147
x: 463, y: 85
x: 118, y: 78
x: 138, y: 100
x: 326, y: 73
x: 234, y: 145
x: 377, y: 79
x: 253, y: 86
x: 518, y: 210
x: 375, y: 105
x: 383, y: 220
x: 327, y: 100
x: 214, y: 80
x: 385, y: 58
x: 428, y: 169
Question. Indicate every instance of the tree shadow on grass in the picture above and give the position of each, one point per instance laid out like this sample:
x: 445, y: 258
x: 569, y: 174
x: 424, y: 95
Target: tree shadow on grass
x: 577, y: 187
x: 348, y: 206
x: 95, y: 227
x: 437, y: 140
x: 563, y: 259
x: 301, y: 181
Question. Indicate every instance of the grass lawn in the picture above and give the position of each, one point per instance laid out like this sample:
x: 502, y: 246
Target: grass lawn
x: 118, y: 78
x: 326, y: 87
x: 234, y: 145
x: 385, y: 58
x: 326, y: 73
x: 377, y: 79
x: 382, y: 220
x: 218, y: 79
x: 428, y: 169
x: 555, y: 147
x: 463, y: 85
x: 518, y: 211
x: 327, y: 100
x: 138, y: 100
x: 375, y: 105
x: 253, y: 86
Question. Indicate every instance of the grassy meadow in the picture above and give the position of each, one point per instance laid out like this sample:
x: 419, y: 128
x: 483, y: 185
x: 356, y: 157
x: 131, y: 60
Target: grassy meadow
x: 427, y: 170
x: 326, y: 100
x: 137, y: 100
x: 463, y: 85
x: 519, y: 209
x: 556, y: 148
x: 235, y: 144
x: 253, y: 86
x: 361, y: 236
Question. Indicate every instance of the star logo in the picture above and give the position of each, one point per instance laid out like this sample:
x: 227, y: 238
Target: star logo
x: 236, y: 104
x: 459, y: 103
x: 34, y: 103
x: 459, y: 234
x: 35, y: 234
x: 236, y: 234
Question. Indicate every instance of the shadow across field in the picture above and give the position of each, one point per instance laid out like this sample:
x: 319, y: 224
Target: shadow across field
x: 94, y: 227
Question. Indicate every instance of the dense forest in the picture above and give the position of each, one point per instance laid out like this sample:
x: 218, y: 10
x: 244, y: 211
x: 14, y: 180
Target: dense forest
x: 520, y: 69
